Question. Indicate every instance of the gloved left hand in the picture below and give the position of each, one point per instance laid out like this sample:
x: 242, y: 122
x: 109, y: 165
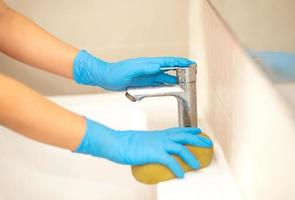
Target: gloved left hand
x: 143, y: 147
x: 89, y: 70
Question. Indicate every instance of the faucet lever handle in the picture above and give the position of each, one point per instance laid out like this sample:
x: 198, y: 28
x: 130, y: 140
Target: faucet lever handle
x: 184, y: 74
x: 178, y: 67
x: 169, y: 68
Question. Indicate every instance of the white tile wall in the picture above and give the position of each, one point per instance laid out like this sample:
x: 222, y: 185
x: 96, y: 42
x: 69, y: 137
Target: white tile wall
x: 247, y: 115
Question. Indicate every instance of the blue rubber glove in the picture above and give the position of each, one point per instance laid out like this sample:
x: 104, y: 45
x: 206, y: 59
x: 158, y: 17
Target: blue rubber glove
x: 89, y: 70
x: 142, y: 147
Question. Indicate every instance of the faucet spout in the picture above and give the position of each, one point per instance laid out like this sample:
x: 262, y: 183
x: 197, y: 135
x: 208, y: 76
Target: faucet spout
x: 184, y: 91
x: 138, y: 93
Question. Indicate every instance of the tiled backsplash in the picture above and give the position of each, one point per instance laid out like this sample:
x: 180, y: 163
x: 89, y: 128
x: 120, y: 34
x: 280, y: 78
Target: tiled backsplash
x: 247, y: 115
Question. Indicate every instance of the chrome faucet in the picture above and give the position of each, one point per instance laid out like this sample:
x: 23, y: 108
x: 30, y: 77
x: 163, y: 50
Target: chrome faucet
x: 184, y: 91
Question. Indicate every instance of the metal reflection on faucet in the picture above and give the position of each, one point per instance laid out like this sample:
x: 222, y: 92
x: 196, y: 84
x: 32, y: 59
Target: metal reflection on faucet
x: 184, y: 91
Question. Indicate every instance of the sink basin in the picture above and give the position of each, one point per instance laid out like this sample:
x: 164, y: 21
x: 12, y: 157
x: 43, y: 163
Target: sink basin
x: 36, y: 171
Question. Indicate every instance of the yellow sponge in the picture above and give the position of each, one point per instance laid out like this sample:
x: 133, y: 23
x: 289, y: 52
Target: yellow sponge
x: 155, y: 173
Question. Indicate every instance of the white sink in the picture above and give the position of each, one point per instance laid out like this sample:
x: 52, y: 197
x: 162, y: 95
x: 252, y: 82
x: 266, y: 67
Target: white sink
x: 37, y: 171
x: 30, y: 170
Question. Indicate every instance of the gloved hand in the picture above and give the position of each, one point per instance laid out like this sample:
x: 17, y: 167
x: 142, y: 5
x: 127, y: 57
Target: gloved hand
x: 142, y: 147
x: 89, y: 70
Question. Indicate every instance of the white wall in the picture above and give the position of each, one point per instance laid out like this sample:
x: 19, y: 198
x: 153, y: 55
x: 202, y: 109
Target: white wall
x: 246, y: 114
x: 261, y: 25
x: 111, y: 29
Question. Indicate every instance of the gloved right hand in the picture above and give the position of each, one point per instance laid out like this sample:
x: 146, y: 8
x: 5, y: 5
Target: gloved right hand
x: 117, y: 76
x: 143, y: 147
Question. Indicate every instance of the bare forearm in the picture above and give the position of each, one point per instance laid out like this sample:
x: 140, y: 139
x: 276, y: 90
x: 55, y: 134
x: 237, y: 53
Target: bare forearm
x: 23, y: 40
x: 26, y: 112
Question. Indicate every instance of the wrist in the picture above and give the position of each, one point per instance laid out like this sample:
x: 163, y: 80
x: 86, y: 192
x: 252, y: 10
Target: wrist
x: 84, y: 67
x: 95, y: 138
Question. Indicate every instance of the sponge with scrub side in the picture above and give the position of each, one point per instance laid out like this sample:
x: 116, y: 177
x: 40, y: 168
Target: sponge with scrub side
x: 155, y: 173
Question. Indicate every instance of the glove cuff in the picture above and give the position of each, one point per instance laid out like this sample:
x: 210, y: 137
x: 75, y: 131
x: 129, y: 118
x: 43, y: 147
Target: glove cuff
x: 95, y: 136
x: 84, y: 67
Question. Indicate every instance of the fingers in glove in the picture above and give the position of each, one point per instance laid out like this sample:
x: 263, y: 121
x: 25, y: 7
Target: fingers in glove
x: 169, y: 61
x: 191, y: 130
x: 171, y: 163
x: 165, y: 78
x: 143, y: 69
x: 190, y: 139
x: 184, y: 154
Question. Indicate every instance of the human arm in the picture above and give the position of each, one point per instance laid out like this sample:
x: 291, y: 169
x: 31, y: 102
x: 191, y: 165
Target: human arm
x: 25, y: 111
x: 24, y: 40
x: 28, y: 113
